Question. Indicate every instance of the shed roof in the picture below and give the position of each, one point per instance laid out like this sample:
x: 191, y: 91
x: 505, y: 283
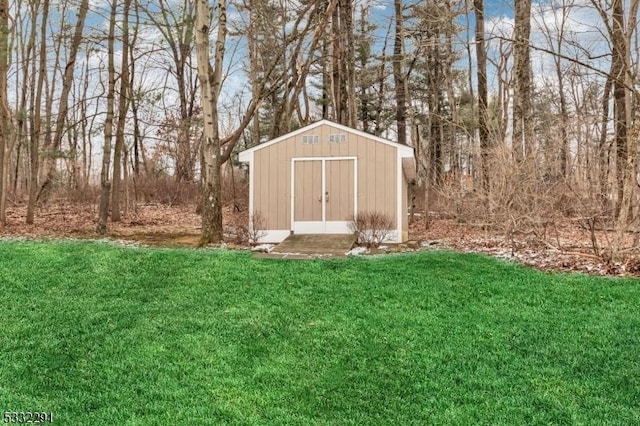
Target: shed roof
x: 404, y: 151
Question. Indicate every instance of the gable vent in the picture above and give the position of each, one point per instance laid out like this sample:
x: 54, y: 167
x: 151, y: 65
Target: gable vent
x: 337, y: 138
x: 310, y: 139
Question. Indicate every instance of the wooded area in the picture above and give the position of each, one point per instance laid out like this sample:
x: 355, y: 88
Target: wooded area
x: 520, y: 117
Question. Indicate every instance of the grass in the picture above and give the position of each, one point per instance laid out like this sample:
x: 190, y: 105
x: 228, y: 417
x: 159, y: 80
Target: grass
x: 101, y: 334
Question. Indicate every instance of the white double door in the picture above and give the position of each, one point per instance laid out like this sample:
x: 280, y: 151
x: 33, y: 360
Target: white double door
x: 324, y: 194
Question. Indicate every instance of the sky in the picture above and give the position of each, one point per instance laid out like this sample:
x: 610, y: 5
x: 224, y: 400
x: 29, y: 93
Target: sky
x: 583, y: 24
x: 499, y: 16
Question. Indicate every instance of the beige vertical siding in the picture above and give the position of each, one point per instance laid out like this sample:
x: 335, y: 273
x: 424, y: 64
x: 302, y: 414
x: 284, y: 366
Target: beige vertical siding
x: 377, y: 174
x: 272, y: 188
x: 404, y: 220
x: 308, y: 190
x: 377, y: 178
x: 340, y: 190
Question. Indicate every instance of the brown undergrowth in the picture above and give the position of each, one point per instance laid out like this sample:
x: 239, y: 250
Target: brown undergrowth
x: 569, y: 245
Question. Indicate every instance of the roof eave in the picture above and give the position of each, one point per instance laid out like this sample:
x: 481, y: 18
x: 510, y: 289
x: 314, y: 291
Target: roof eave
x: 404, y: 151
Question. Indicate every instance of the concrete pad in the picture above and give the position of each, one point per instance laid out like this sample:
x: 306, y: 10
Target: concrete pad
x: 291, y: 256
x: 314, y: 246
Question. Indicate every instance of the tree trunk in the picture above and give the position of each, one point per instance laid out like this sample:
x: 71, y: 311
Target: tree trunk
x: 603, y: 149
x: 399, y: 77
x: 522, y: 106
x: 620, y: 111
x: 135, y: 165
x: 105, y: 183
x: 254, y: 70
x: 6, y: 123
x: 337, y: 63
x: 483, y: 127
x: 61, y: 119
x: 326, y: 86
x: 210, y: 82
x: 435, y: 114
x: 215, y: 151
x: 452, y: 104
x: 625, y: 119
x: 177, y: 31
x: 36, y: 126
x: 123, y: 108
x: 564, y: 123
x: 349, y: 63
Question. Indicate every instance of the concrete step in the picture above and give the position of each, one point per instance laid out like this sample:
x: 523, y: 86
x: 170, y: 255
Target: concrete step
x: 335, y: 245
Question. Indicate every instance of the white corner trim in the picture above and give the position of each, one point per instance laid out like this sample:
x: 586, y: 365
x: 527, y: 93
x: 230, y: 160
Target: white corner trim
x: 246, y: 156
x: 292, y: 194
x: 400, y: 182
x: 251, y: 187
x: 356, y: 179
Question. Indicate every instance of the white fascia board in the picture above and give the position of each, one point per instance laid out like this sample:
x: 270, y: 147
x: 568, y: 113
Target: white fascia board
x: 245, y: 156
x: 404, y: 151
x: 244, y: 153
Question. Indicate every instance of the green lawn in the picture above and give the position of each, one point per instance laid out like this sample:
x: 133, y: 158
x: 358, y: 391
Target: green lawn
x: 101, y: 334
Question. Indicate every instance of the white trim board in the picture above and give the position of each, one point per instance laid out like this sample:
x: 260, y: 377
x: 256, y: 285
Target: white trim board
x: 404, y: 151
x: 399, y: 184
x: 251, y: 186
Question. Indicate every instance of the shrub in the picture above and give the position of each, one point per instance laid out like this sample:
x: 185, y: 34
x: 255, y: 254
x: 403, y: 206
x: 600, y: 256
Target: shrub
x: 371, y: 228
x: 255, y: 230
x: 165, y: 189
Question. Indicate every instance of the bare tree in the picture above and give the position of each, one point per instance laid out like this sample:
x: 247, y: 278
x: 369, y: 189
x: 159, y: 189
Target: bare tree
x: 483, y: 125
x: 286, y: 49
x: 36, y: 124
x: 626, y: 123
x: 6, y: 117
x: 175, y: 25
x: 105, y: 182
x: 216, y: 150
x: 342, y: 63
x: 123, y: 108
x: 49, y: 163
x: 399, y: 74
x: 523, y: 126
x: 210, y: 83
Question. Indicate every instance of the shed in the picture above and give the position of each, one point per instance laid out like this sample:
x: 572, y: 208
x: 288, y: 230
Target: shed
x: 314, y: 180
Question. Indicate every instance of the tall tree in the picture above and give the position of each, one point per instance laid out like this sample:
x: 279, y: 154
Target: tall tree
x: 342, y: 63
x: 555, y: 34
x: 123, y: 108
x: 210, y: 83
x: 105, y: 181
x: 6, y: 117
x: 175, y: 25
x: 289, y: 42
x: 523, y: 126
x: 36, y: 124
x: 620, y: 34
x: 49, y: 163
x: 622, y: 86
x: 626, y: 122
x: 399, y: 74
x: 216, y: 150
x: 365, y: 68
x: 483, y: 125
